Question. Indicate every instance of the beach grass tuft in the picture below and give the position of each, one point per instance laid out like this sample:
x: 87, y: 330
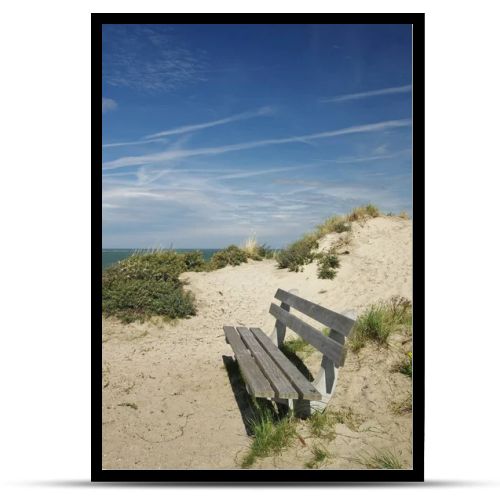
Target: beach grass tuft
x: 320, y: 454
x: 380, y: 321
x: 380, y: 459
x: 271, y: 435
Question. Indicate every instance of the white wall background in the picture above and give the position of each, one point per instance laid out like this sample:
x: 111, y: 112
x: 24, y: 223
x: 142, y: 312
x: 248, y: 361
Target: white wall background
x: 45, y: 206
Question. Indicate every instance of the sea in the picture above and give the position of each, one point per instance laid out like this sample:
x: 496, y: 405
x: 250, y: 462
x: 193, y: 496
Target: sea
x: 112, y: 255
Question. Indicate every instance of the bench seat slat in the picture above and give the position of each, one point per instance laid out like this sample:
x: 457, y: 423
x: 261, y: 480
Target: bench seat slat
x: 325, y: 345
x: 257, y: 383
x: 331, y: 319
x: 279, y: 382
x: 305, y: 389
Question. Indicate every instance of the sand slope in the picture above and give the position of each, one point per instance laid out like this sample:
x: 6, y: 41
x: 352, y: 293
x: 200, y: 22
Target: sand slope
x: 167, y: 399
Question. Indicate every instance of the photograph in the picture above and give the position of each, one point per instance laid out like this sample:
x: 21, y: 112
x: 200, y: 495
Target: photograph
x: 258, y: 206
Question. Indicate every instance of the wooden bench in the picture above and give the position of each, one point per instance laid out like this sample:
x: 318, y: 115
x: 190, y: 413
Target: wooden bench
x: 268, y: 373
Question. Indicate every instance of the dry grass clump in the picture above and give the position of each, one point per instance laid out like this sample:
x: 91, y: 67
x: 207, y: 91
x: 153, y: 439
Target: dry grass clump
x: 320, y: 454
x: 364, y: 212
x: 402, y: 407
x: 322, y: 424
x: 334, y: 224
x: 257, y: 251
x: 380, y: 459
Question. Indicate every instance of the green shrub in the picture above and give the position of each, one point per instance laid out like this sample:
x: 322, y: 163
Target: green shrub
x: 328, y: 262
x: 139, y: 299
x: 265, y: 252
x: 230, y: 256
x: 162, y: 265
x: 194, y: 261
x: 334, y: 224
x: 299, y: 253
x: 145, y: 285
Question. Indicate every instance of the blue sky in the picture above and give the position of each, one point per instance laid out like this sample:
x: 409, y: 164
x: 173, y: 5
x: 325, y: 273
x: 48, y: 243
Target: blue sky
x: 214, y: 133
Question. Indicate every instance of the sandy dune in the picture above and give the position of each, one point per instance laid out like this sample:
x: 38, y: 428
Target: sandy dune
x: 167, y: 399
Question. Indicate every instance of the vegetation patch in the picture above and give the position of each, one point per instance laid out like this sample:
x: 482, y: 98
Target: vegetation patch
x: 328, y: 262
x: 145, y: 285
x: 230, y: 256
x: 347, y: 417
x: 364, y: 212
x: 298, y: 254
x: 320, y: 454
x: 297, y: 345
x: 402, y: 407
x: 406, y: 365
x: 301, y: 252
x: 322, y: 425
x: 194, y: 261
x: 256, y: 251
x: 334, y: 224
x: 380, y: 321
x: 270, y: 435
x: 384, y: 459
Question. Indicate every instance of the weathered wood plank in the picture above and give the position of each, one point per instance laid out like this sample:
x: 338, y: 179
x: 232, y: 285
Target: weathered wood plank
x: 325, y: 345
x: 305, y: 389
x: 331, y: 319
x: 279, y: 382
x: 257, y: 383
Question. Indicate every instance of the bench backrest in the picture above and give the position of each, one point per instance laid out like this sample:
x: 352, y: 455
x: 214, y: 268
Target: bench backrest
x: 339, y: 325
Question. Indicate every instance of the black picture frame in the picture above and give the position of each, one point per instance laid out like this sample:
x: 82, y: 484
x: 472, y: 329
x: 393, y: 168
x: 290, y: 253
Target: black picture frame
x: 256, y: 477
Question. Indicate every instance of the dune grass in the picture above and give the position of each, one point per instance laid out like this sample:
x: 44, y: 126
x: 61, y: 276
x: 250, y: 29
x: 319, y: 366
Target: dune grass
x: 297, y: 345
x: 271, y: 435
x: 322, y: 425
x: 320, y: 454
x: 301, y: 252
x: 380, y: 459
x: 380, y: 321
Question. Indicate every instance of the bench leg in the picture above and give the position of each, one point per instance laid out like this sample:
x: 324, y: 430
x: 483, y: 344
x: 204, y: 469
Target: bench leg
x: 285, y: 404
x: 325, y: 382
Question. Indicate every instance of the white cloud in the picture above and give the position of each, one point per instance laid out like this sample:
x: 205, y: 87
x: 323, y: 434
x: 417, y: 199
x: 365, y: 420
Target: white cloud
x: 130, y: 143
x: 369, y: 93
x: 190, y: 128
x: 184, y: 153
x: 108, y: 104
x: 149, y: 58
